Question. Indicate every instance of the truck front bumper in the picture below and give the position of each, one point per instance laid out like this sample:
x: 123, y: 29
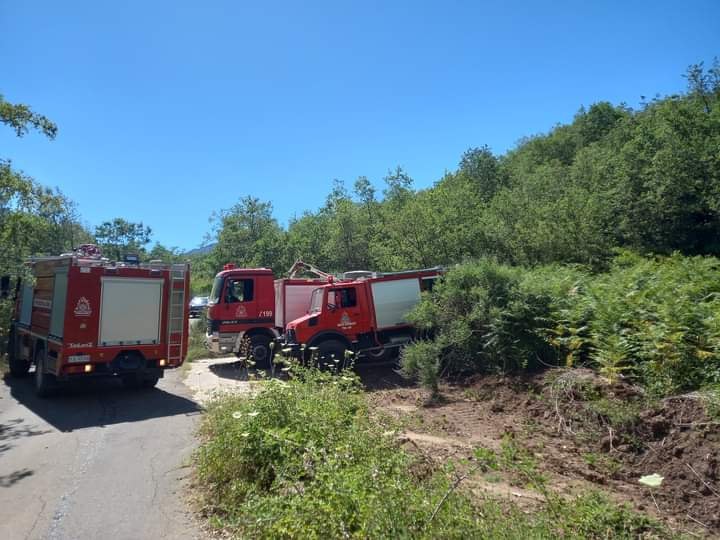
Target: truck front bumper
x: 221, y: 343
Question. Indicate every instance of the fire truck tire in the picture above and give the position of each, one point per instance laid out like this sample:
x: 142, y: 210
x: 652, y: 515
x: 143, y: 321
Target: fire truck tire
x: 380, y: 354
x: 260, y: 350
x: 329, y: 351
x: 150, y: 382
x: 44, y: 382
x: 134, y: 381
x: 18, y: 366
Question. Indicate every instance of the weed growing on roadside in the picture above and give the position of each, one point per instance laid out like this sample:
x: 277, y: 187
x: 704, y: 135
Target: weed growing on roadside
x: 305, y: 458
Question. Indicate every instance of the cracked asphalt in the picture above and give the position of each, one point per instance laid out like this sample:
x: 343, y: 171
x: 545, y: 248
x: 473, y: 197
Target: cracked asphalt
x: 97, y: 461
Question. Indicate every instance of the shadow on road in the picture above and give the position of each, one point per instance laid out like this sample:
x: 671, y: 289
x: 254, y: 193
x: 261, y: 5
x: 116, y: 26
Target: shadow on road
x: 14, y: 429
x: 95, y: 403
x: 9, y: 480
x: 373, y: 375
x: 238, y: 371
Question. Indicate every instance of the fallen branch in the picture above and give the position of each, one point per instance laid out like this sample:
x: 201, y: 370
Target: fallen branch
x: 452, y: 488
x: 703, y: 481
x: 696, y: 521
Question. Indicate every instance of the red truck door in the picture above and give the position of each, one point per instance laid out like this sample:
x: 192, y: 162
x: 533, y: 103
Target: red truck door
x: 239, y: 300
x: 347, y: 310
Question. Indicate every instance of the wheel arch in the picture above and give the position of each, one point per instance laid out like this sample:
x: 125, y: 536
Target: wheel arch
x: 260, y: 331
x: 328, y: 335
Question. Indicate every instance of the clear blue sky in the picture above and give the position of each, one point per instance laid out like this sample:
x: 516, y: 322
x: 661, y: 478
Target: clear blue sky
x: 170, y: 110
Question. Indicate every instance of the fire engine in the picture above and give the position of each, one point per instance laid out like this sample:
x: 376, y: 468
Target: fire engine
x: 84, y: 316
x: 365, y: 312
x: 248, y: 308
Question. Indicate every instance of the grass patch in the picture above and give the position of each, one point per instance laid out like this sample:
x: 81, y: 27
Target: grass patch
x: 711, y: 400
x: 305, y: 458
x: 196, y: 341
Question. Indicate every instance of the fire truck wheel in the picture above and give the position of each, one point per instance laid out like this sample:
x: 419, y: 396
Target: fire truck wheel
x: 260, y: 350
x: 43, y: 380
x: 378, y: 355
x: 133, y: 381
x: 150, y: 382
x: 331, y: 353
x: 18, y: 366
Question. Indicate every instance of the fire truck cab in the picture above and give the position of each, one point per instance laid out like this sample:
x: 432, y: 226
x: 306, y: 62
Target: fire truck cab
x: 248, y: 308
x: 84, y: 316
x: 365, y: 313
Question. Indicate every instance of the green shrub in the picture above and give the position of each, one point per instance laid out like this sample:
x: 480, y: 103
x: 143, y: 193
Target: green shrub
x: 306, y: 459
x: 196, y: 340
x: 654, y: 320
x: 486, y: 317
x: 421, y: 360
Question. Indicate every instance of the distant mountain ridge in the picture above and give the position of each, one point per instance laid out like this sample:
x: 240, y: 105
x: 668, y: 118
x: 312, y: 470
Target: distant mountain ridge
x: 202, y: 250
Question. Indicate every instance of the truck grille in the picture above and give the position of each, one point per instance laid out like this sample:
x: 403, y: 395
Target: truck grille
x: 212, y: 326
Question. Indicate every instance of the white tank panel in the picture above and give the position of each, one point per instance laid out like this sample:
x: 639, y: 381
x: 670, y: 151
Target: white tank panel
x: 394, y: 299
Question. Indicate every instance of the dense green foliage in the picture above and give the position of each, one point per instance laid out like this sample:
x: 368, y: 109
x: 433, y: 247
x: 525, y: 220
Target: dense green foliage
x: 119, y: 237
x: 656, y: 320
x: 647, y: 180
x: 305, y: 459
x: 33, y: 219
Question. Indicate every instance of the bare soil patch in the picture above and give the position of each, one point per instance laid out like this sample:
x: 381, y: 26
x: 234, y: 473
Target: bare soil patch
x: 584, y: 432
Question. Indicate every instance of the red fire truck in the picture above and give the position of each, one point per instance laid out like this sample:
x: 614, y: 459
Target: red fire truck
x: 366, y: 312
x: 86, y: 316
x: 249, y: 306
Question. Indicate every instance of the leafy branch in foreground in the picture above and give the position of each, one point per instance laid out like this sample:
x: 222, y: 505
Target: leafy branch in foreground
x: 21, y: 118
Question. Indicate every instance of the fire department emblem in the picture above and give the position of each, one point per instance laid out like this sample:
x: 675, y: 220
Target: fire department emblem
x: 345, y: 321
x: 240, y: 312
x: 82, y: 309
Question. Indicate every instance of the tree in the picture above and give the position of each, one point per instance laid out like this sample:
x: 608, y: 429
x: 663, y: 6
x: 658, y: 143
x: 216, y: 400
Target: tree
x: 33, y: 219
x: 704, y: 85
x: 481, y: 167
x: 21, y: 118
x: 248, y: 235
x: 161, y: 253
x: 118, y: 237
x: 399, y: 186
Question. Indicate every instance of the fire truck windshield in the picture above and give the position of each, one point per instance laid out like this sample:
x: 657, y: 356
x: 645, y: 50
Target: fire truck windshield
x: 216, y: 290
x: 316, y: 301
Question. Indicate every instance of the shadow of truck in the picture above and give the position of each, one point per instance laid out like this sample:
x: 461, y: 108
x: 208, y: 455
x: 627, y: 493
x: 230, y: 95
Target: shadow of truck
x: 98, y: 402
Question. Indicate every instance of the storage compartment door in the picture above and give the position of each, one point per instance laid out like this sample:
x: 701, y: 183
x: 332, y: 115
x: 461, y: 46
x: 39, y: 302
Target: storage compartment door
x: 57, y: 314
x: 26, y: 303
x: 279, y: 303
x: 394, y: 299
x: 130, y: 311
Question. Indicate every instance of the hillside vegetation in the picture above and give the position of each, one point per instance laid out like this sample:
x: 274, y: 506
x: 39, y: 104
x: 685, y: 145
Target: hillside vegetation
x: 647, y: 180
x: 595, y: 246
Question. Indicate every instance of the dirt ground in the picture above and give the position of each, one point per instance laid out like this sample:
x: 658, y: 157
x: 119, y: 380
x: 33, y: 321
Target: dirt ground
x: 584, y: 433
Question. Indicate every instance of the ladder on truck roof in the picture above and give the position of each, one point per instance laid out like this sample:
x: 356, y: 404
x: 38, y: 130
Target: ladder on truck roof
x: 176, y: 313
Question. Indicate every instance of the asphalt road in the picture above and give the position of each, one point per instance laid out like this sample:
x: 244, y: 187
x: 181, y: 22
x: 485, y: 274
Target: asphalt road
x: 96, y: 462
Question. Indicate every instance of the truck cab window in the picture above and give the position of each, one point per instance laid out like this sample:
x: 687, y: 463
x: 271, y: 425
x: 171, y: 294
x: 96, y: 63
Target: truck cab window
x: 345, y: 298
x: 216, y: 290
x: 239, y: 290
x: 427, y: 283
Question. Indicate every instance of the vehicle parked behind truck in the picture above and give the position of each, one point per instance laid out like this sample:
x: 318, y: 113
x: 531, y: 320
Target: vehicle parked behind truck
x: 365, y: 313
x: 83, y: 316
